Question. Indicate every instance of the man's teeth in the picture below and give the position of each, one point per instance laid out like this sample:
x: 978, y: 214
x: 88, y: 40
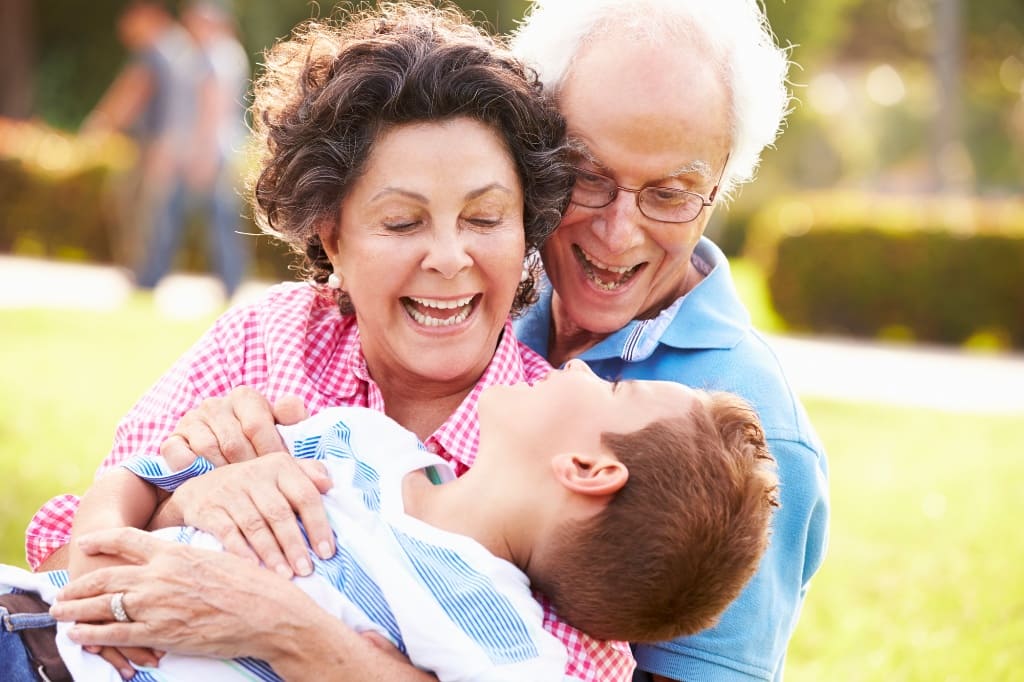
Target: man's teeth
x: 624, y: 272
x: 430, y: 321
x: 617, y: 269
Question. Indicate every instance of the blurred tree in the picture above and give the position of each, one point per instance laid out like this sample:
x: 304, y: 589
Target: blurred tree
x: 15, y: 58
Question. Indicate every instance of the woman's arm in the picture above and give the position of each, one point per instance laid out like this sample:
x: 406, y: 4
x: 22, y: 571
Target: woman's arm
x: 199, y: 602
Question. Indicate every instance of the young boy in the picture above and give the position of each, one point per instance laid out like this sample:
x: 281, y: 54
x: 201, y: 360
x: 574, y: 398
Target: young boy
x: 568, y: 468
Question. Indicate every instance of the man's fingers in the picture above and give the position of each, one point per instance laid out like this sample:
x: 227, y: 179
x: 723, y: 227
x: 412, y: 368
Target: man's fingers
x: 289, y: 409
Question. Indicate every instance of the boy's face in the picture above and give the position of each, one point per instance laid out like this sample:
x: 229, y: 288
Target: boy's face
x: 569, y: 409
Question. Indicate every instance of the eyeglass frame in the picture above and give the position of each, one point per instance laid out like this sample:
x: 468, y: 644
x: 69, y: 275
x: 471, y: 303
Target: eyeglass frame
x: 709, y: 201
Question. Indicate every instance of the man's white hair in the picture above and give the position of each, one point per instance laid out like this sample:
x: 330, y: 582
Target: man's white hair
x: 734, y: 34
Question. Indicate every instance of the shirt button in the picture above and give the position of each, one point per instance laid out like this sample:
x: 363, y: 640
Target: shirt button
x: 433, y: 447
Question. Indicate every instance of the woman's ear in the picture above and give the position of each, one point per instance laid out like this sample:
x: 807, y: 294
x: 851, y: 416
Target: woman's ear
x: 590, y: 474
x: 327, y: 230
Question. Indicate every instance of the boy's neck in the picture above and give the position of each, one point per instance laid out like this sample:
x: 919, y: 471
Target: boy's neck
x: 466, y: 506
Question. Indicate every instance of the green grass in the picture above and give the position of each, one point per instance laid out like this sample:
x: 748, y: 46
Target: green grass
x: 68, y: 376
x: 923, y: 578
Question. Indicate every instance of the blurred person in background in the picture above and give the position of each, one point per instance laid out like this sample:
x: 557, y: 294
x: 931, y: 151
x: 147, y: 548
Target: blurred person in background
x: 182, y: 99
x: 153, y: 100
x: 212, y: 167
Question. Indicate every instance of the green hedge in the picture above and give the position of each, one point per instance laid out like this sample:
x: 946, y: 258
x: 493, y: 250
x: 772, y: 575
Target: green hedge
x: 56, y: 201
x: 940, y: 270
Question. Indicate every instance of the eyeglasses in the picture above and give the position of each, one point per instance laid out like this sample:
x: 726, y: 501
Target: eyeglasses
x: 664, y: 204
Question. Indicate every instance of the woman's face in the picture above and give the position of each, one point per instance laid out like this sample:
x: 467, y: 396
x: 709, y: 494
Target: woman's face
x: 429, y: 248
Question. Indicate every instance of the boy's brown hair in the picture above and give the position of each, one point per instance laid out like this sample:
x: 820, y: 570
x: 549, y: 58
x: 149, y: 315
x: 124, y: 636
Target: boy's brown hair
x: 681, y: 538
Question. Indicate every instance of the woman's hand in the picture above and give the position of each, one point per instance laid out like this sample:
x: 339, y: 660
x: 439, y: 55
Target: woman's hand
x: 237, y: 427
x: 251, y: 508
x: 180, y: 599
x: 194, y: 601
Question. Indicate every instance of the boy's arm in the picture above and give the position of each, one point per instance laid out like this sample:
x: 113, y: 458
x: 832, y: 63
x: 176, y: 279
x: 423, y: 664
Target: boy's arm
x: 117, y: 499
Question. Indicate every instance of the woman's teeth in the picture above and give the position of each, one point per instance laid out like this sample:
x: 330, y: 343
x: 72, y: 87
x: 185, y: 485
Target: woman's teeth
x: 421, y: 310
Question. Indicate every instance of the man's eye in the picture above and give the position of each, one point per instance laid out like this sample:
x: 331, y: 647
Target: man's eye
x: 665, y: 195
x: 591, y: 179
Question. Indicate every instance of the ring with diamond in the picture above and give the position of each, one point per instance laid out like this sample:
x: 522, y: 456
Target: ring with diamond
x: 117, y: 608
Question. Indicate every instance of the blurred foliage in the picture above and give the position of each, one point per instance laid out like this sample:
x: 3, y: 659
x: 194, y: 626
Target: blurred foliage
x: 59, y: 194
x: 868, y: 265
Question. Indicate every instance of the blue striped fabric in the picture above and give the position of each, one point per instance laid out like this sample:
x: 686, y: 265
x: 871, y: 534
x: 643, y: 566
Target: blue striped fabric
x: 471, y: 601
x: 348, y: 577
x: 336, y: 444
x: 257, y: 669
x: 154, y: 470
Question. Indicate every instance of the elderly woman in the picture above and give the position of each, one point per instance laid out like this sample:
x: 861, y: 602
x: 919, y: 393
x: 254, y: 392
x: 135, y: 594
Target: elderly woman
x: 415, y: 165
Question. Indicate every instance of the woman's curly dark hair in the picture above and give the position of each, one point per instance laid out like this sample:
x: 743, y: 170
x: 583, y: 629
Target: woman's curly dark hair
x: 329, y: 91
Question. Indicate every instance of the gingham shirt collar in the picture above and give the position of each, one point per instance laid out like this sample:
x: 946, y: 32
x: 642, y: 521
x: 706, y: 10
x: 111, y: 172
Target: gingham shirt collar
x: 458, y: 438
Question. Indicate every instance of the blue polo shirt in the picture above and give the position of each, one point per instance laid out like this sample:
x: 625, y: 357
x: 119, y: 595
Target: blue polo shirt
x: 705, y: 339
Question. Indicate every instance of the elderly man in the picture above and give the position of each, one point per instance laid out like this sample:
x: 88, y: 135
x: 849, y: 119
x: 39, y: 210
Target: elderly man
x: 669, y: 104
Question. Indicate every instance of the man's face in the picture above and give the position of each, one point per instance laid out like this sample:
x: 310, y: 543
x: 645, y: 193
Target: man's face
x: 642, y: 115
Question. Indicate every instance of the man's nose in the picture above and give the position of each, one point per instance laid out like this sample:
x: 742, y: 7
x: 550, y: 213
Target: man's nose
x: 618, y: 224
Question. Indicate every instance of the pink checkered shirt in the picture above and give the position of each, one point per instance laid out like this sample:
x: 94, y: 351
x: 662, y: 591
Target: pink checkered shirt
x: 295, y: 341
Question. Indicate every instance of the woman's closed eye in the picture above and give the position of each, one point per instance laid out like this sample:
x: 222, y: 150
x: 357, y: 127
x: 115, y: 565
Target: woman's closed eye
x: 400, y: 225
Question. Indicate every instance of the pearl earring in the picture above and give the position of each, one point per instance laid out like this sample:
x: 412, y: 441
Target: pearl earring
x: 333, y: 281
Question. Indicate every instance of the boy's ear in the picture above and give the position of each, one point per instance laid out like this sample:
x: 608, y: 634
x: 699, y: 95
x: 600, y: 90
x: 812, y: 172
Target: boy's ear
x: 590, y: 474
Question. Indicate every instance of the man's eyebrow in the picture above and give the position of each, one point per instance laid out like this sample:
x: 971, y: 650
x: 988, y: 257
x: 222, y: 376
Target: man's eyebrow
x: 699, y: 166
x: 578, y: 147
x: 695, y: 166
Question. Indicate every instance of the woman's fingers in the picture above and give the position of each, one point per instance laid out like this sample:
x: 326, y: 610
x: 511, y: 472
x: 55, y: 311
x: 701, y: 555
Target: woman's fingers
x: 192, y: 436
x: 257, y: 418
x: 83, y: 609
x: 309, y: 505
x: 221, y: 418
